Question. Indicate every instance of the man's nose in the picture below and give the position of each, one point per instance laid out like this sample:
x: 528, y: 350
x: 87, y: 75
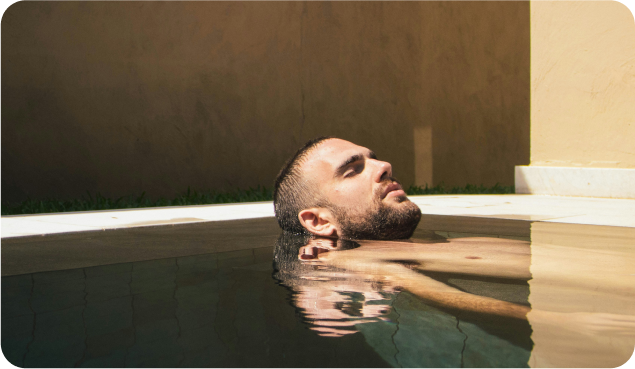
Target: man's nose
x: 383, y: 171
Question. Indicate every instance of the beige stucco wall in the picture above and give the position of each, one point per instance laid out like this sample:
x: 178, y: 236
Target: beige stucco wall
x: 582, y: 84
x: 124, y: 97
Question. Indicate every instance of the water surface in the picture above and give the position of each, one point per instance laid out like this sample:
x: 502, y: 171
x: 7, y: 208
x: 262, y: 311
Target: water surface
x: 207, y: 295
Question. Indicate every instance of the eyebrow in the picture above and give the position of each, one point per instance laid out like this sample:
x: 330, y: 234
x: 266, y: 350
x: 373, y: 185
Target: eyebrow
x: 340, y: 168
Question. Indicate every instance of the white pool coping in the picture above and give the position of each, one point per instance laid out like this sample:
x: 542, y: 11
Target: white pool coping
x: 575, y: 181
x: 41, y: 224
x: 576, y: 210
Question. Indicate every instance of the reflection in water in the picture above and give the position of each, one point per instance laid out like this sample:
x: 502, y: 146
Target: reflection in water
x: 211, y: 310
x: 579, y: 269
x: 566, y: 298
x: 332, y: 300
x: 343, y: 287
x: 340, y: 287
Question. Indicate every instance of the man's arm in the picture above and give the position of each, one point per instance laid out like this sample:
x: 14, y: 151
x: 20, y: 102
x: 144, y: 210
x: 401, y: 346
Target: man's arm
x: 440, y: 294
x: 427, y: 288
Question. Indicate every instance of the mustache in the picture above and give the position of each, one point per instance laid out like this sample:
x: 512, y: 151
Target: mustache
x: 389, y: 180
x: 385, y: 183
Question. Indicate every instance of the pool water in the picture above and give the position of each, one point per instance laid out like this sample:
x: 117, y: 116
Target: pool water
x: 206, y: 295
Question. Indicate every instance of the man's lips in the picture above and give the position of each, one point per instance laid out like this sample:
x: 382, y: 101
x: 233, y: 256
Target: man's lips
x: 393, y: 189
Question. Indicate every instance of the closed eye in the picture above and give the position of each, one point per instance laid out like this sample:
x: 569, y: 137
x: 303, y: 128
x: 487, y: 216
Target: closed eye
x: 354, y: 169
x: 351, y: 163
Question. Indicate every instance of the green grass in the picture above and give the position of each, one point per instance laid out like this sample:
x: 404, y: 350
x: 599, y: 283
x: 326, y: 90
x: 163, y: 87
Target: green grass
x: 467, y: 190
x: 98, y: 202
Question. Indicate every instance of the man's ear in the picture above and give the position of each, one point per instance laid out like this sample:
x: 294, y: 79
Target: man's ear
x: 318, y: 221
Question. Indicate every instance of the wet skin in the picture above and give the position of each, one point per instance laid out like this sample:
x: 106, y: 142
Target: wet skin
x: 396, y: 264
x: 352, y: 177
x: 397, y: 261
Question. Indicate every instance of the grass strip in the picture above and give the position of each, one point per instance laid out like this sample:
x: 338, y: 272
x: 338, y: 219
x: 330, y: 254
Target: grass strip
x: 191, y: 197
x: 469, y: 189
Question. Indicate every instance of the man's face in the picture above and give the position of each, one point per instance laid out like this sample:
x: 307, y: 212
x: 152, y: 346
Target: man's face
x: 360, y: 192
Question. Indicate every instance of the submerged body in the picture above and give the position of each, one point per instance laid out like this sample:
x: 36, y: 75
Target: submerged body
x: 376, y: 269
x: 342, y: 192
x: 404, y: 264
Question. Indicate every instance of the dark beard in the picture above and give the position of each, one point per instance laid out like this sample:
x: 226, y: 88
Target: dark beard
x: 381, y: 223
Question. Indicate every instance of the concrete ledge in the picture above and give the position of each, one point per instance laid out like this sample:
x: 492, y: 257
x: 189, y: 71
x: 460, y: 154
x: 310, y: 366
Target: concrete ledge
x: 533, y: 208
x: 541, y: 208
x: 40, y: 224
x: 570, y: 181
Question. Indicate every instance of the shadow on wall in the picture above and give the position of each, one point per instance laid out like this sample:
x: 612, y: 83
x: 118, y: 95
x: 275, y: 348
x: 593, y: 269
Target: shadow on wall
x: 118, y: 98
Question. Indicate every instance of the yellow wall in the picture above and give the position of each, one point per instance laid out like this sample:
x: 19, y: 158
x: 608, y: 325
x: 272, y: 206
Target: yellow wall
x: 124, y: 97
x: 582, y: 84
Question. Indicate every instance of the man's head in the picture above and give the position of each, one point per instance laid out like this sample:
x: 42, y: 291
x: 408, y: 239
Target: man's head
x: 334, y: 188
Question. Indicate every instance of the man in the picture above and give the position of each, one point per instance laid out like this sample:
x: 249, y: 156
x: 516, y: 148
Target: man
x: 334, y: 188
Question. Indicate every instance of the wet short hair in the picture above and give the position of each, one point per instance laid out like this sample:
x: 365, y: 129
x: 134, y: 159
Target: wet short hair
x: 292, y: 193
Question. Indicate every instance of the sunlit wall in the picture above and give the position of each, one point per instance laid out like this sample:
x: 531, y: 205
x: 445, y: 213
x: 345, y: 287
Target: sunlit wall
x: 582, y: 100
x: 582, y: 84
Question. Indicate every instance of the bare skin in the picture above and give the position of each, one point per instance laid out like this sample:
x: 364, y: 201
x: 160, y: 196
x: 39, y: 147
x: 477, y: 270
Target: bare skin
x: 352, y: 177
x: 392, y: 262
x: 477, y: 256
x: 348, y: 175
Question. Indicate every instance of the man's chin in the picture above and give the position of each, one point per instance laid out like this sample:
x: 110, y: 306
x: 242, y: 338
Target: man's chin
x: 390, y: 222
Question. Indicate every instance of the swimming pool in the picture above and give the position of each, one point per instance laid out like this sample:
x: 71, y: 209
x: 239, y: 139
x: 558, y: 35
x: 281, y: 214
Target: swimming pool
x: 206, y: 294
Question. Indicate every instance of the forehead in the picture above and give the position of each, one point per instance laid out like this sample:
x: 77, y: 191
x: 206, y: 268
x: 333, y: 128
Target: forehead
x: 328, y: 155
